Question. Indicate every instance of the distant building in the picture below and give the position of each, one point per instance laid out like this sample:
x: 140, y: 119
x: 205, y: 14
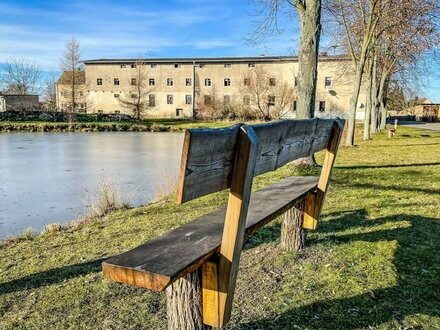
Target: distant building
x: 177, y: 86
x: 63, y: 89
x: 18, y: 102
x: 425, y: 110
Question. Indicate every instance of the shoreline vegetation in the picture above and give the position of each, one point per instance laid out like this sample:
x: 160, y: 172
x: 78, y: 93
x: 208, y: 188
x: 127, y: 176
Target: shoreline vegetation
x: 40, y: 121
x: 373, y: 262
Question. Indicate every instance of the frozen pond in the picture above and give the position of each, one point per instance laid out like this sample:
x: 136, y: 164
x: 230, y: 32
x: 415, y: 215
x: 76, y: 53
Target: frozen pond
x: 45, y: 177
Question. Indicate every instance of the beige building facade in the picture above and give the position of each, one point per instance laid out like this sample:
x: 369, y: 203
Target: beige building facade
x: 171, y: 85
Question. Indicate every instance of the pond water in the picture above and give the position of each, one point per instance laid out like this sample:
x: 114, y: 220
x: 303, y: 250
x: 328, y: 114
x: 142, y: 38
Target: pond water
x: 50, y: 177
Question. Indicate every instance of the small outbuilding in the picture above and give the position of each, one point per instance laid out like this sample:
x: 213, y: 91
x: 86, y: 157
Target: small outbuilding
x: 425, y: 110
x: 18, y: 102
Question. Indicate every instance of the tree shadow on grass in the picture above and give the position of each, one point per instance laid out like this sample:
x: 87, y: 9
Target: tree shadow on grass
x: 51, y: 276
x: 416, y: 263
x: 357, y: 167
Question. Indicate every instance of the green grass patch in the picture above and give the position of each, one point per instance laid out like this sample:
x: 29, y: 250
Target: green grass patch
x: 373, y: 262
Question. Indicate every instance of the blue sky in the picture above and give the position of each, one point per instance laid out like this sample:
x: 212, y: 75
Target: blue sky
x: 127, y: 29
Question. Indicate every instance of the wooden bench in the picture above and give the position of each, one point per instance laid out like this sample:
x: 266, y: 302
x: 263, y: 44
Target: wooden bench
x: 198, y: 262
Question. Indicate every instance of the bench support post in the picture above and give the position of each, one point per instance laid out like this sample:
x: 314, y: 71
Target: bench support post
x: 220, y: 278
x: 314, y: 202
x: 184, y: 303
x: 293, y: 235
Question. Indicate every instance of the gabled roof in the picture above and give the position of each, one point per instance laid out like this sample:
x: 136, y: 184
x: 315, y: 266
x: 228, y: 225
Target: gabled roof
x: 80, y: 77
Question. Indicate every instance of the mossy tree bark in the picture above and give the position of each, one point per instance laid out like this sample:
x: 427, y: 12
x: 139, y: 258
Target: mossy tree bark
x: 184, y: 303
x: 293, y: 235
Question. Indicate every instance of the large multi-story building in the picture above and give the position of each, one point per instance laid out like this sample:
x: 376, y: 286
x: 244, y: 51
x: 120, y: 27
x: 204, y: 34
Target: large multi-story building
x: 178, y: 87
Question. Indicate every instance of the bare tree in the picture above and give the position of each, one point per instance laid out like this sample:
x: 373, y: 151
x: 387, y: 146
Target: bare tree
x: 309, y: 13
x: 137, y: 99
x: 21, y: 76
x: 50, y: 92
x: 384, y: 30
x: 71, y: 64
x: 263, y: 93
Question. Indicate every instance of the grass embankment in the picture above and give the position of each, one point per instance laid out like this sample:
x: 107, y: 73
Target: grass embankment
x: 148, y: 125
x: 373, y: 263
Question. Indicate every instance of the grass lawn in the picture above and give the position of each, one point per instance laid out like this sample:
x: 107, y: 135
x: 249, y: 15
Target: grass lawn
x: 373, y: 262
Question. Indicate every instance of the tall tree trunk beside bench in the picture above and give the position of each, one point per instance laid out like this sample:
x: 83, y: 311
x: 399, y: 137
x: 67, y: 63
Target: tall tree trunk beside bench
x: 293, y: 235
x: 184, y: 303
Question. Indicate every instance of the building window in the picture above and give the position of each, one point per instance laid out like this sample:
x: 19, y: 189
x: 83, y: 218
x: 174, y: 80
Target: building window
x: 208, y: 99
x: 227, y: 99
x: 133, y: 81
x: 170, y: 82
x: 123, y: 66
x: 295, y: 81
x: 81, y: 93
x: 133, y: 66
x: 251, y: 65
x: 208, y: 82
x: 169, y: 99
x: 134, y: 96
x: 272, y: 81
x: 271, y: 100
x: 151, y: 82
x: 99, y: 81
x: 188, y: 81
x: 294, y: 106
x: 227, y: 82
x: 117, y: 111
x: 176, y: 66
x: 179, y: 112
x: 152, y: 100
x: 116, y: 81
x: 246, y: 100
x: 227, y: 65
x: 188, y: 99
x: 116, y: 96
x: 247, y: 81
x: 153, y: 66
x: 321, y: 106
x: 328, y: 82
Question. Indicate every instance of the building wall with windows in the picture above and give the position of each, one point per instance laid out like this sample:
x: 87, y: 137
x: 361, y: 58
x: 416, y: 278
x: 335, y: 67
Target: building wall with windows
x: 169, y: 84
x: 63, y: 91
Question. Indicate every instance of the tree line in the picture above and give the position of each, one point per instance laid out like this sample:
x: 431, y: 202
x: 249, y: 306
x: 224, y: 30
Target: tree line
x: 390, y: 43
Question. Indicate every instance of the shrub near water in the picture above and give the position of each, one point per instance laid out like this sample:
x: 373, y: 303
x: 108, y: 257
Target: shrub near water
x: 105, y: 199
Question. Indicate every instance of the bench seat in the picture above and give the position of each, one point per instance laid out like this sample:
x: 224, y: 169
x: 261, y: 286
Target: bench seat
x: 159, y: 262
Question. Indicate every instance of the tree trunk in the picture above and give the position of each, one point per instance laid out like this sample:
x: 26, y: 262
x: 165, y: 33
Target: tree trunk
x: 349, y: 141
x: 369, y: 106
x: 293, y: 235
x: 375, y: 108
x: 310, y: 17
x: 184, y: 303
x: 382, y: 95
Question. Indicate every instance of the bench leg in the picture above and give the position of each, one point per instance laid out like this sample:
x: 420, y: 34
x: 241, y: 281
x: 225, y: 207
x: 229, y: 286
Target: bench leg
x: 184, y: 303
x: 293, y: 235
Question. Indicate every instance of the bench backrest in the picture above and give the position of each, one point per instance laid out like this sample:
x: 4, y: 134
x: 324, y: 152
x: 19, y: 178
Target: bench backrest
x: 217, y: 159
x: 208, y: 154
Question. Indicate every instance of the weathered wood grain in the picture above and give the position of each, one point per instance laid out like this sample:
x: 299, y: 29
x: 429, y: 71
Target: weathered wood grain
x: 159, y: 262
x: 208, y: 154
x: 207, y: 160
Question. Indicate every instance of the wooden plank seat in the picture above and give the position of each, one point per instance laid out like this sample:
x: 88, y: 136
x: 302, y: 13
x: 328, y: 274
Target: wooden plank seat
x: 198, y: 262
x: 159, y: 262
